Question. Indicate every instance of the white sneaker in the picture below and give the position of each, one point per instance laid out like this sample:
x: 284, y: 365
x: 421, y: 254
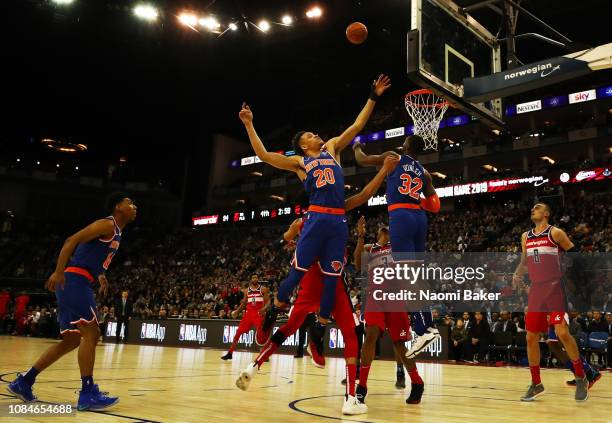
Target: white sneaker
x: 353, y: 407
x: 244, y: 380
x: 422, y: 342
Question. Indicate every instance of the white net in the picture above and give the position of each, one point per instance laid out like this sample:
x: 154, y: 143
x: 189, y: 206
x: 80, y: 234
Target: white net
x: 426, y: 110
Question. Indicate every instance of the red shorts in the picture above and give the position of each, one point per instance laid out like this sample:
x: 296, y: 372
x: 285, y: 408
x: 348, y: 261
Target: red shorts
x: 308, y: 301
x: 250, y: 319
x: 545, y: 299
x: 539, y: 321
x: 396, y: 323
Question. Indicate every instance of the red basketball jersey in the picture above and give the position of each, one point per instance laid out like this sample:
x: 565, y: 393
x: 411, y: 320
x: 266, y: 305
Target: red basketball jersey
x: 542, y: 256
x: 255, y: 299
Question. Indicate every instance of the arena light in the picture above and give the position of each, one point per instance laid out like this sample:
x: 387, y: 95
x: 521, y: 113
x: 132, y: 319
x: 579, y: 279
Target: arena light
x: 490, y: 167
x: 18, y: 159
x: 210, y: 23
x: 256, y: 174
x: 263, y: 25
x: 277, y: 197
x: 188, y: 19
x: 314, y: 12
x: 547, y: 159
x: 146, y: 12
x: 63, y: 2
x: 233, y: 27
x: 287, y: 20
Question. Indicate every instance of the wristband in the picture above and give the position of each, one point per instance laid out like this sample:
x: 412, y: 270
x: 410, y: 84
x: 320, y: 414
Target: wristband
x: 373, y: 95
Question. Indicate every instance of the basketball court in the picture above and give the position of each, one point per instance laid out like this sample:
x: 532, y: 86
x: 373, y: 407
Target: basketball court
x: 161, y: 384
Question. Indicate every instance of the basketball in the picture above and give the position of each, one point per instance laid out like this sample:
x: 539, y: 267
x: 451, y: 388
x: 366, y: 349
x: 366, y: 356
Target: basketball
x: 356, y: 33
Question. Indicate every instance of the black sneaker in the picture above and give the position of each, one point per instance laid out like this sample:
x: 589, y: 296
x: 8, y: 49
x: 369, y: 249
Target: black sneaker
x: 415, y: 393
x: 400, y: 382
x: 360, y: 393
x: 227, y: 356
x: 343, y: 381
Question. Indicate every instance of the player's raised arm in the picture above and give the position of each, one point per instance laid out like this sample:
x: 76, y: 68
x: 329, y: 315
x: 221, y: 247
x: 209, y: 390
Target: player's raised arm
x: 339, y: 143
x: 360, y: 247
x: 279, y: 161
x: 431, y: 202
x: 372, y: 187
x: 102, y: 228
x: 364, y: 159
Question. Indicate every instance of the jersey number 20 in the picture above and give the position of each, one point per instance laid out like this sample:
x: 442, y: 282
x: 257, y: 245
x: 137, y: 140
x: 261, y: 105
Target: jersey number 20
x: 324, y: 177
x: 411, y: 187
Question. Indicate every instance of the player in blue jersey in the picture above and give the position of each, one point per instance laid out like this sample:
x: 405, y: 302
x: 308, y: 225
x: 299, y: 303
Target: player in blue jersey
x: 83, y: 260
x: 410, y: 191
x: 325, y: 233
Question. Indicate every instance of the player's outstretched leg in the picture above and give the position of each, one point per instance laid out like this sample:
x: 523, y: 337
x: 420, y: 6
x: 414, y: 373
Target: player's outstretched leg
x: 247, y: 375
x: 368, y: 349
x: 90, y: 397
x: 21, y: 387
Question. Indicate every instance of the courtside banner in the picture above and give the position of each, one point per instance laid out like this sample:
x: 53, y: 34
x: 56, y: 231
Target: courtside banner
x: 219, y: 334
x: 524, y: 78
x: 471, y: 281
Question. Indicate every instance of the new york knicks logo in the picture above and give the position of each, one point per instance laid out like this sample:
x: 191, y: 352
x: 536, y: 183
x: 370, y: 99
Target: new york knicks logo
x: 336, y: 265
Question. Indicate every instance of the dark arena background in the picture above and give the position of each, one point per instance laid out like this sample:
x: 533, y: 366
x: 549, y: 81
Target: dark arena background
x: 513, y: 102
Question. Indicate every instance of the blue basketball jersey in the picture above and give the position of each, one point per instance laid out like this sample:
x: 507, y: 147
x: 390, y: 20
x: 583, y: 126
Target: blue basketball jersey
x: 324, y: 181
x: 96, y: 255
x: 406, y: 182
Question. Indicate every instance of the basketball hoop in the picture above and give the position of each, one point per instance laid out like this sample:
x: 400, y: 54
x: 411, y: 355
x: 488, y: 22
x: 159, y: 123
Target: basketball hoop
x: 426, y: 110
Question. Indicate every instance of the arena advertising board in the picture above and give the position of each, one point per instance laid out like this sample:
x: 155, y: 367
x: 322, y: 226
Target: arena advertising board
x: 219, y: 334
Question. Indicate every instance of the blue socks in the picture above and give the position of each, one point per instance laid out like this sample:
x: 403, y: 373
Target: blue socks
x: 87, y: 383
x: 30, y: 376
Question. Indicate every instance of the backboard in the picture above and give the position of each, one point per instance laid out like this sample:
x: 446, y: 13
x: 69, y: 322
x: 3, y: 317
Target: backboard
x: 444, y: 47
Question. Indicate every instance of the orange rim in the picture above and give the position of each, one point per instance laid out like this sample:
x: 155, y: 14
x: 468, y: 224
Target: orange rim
x: 425, y: 91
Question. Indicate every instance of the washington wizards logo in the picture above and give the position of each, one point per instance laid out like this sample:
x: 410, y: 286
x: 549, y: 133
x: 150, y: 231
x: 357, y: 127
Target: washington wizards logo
x: 336, y: 265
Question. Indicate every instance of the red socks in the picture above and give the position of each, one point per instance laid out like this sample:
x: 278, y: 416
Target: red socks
x: 414, y: 376
x: 265, y: 353
x: 351, y: 375
x: 363, y: 375
x: 535, y: 374
x: 578, y: 368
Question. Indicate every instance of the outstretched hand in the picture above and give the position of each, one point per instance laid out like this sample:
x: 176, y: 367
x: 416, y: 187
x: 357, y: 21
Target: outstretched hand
x: 361, y: 226
x: 382, y: 84
x: 245, y: 115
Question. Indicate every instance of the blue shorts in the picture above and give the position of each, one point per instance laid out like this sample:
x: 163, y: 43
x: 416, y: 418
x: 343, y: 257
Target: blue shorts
x: 552, y: 335
x: 323, y: 238
x: 407, y: 230
x: 76, y: 303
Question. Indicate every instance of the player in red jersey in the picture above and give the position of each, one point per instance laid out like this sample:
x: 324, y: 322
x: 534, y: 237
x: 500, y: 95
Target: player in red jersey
x: 540, y: 259
x: 308, y: 301
x: 256, y: 301
x: 396, y: 323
